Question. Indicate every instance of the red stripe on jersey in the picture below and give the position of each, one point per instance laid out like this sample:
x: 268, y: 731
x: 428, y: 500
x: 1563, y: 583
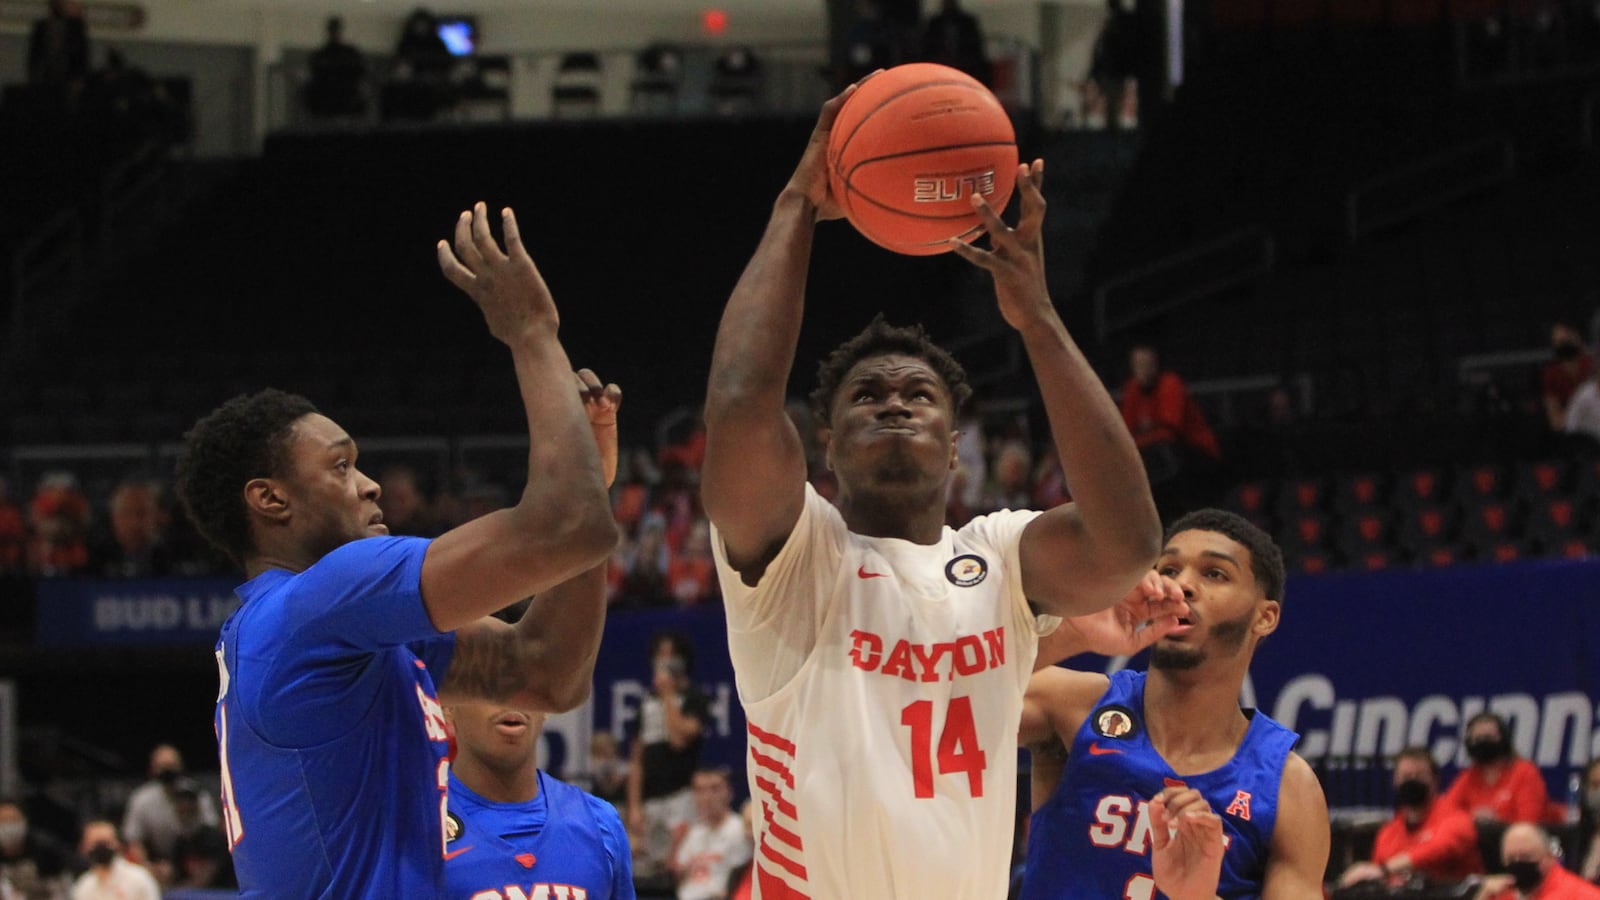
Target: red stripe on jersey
x: 775, y: 888
x: 785, y: 863
x: 771, y: 740
x: 767, y: 762
x: 771, y: 790
x: 783, y: 834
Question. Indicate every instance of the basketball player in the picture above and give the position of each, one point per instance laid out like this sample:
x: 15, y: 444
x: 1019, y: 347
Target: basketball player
x: 1166, y: 784
x: 332, y: 741
x: 881, y: 657
x: 513, y: 831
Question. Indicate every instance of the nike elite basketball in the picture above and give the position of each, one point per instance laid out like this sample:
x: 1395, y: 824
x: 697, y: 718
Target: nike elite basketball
x: 910, y: 148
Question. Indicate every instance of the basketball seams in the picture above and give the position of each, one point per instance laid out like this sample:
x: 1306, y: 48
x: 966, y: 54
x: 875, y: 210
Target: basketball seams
x: 939, y: 149
x: 919, y: 86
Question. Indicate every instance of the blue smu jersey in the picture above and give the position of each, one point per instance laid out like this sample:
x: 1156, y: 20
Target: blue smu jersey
x: 331, y: 738
x: 1091, y: 839
x: 564, y: 845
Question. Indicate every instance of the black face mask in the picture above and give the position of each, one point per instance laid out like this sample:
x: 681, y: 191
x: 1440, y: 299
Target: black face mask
x: 1412, y: 792
x: 1526, y: 874
x: 101, y: 855
x: 1566, y: 351
x: 167, y: 776
x: 1486, y: 750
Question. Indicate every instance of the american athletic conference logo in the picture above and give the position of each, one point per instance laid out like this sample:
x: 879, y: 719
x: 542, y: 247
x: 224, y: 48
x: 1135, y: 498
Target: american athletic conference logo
x: 966, y: 570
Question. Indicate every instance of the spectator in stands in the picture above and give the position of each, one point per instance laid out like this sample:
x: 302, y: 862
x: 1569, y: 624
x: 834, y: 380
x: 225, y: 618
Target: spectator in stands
x: 1181, y: 454
x: 953, y: 38
x: 336, y: 87
x: 13, y: 532
x: 645, y: 567
x: 135, y: 546
x: 203, y: 860
x: 157, y: 814
x: 59, y: 514
x: 715, y: 844
x: 405, y: 507
x: 1583, y: 412
x: 32, y: 864
x: 1426, y: 836
x: 1011, y: 487
x: 608, y: 771
x: 874, y: 40
x: 1499, y: 786
x: 691, y: 575
x: 1049, y: 482
x: 666, y: 753
x: 58, y: 48
x: 1532, y: 870
x: 1560, y: 378
x: 110, y: 876
x: 1114, y: 68
x: 419, y: 83
x: 1588, y: 836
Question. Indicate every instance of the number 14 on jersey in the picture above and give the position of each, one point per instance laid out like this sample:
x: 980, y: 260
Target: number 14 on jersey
x: 958, y: 749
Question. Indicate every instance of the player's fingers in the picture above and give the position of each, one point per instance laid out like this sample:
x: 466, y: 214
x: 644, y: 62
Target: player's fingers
x: 980, y: 258
x: 589, y: 383
x: 830, y: 110
x: 1172, y: 590
x: 1029, y: 181
x: 452, y: 268
x: 1159, y: 832
x: 482, y: 237
x: 613, y: 396
x: 989, y: 219
x: 466, y: 250
x: 508, y: 221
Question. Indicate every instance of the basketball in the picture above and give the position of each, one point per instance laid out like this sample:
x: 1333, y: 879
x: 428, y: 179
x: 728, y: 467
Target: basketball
x: 908, y: 150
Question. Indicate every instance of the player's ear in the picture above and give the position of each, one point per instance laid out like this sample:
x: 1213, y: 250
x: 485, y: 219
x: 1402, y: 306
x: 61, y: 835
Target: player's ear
x: 266, y: 498
x: 955, y: 450
x: 1267, y: 618
x: 825, y: 438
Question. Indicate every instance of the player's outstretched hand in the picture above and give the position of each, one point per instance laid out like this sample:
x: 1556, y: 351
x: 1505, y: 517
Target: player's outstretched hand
x: 1016, y: 255
x: 811, y: 176
x: 600, y: 404
x: 506, y: 284
x: 1145, y: 615
x: 1187, y: 855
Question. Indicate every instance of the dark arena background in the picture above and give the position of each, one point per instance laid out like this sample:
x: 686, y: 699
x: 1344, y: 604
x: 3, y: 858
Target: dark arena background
x: 1362, y: 233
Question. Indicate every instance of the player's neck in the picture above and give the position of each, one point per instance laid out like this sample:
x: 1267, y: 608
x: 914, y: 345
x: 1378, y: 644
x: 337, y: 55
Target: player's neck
x: 516, y: 785
x: 919, y: 519
x: 1194, y: 714
x: 269, y: 559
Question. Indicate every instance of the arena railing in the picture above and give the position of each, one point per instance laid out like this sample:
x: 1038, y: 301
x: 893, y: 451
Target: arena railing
x: 1415, y: 188
x: 1188, y: 275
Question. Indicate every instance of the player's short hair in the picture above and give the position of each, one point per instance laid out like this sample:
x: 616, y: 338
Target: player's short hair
x: 1421, y: 754
x: 880, y: 338
x: 1486, y: 716
x: 682, y: 647
x: 245, y: 438
x: 1266, y: 560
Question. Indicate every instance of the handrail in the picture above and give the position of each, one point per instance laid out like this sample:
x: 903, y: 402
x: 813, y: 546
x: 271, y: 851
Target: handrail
x: 56, y: 246
x: 1260, y: 262
x: 1497, y: 151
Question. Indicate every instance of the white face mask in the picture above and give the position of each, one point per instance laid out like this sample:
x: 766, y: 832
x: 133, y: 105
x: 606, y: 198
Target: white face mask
x: 13, y: 832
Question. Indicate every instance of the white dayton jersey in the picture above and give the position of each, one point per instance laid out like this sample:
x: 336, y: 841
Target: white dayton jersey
x: 882, y: 681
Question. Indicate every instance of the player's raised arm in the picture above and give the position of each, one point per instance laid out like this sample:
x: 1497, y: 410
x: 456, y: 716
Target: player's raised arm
x: 562, y: 523
x: 1077, y: 558
x: 545, y: 662
x: 753, y: 480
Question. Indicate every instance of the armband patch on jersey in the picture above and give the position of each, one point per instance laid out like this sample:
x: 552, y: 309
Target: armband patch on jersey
x: 1117, y: 722
x: 966, y: 570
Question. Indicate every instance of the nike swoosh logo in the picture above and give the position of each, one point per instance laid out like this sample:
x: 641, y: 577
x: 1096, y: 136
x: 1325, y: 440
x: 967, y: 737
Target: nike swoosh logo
x: 863, y: 573
x: 1097, y: 750
x: 455, y: 853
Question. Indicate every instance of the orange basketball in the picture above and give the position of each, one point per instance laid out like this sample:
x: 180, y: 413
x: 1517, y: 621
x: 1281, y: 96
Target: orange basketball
x: 909, y: 149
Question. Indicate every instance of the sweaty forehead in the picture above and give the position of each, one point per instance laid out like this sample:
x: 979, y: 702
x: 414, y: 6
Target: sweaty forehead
x: 1207, y: 543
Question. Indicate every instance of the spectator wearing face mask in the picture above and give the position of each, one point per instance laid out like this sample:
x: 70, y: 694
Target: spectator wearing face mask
x: 157, y: 815
x: 1589, y: 824
x: 1532, y: 870
x: 1426, y: 836
x: 32, y: 865
x: 110, y: 876
x: 1498, y: 786
x: 1560, y: 378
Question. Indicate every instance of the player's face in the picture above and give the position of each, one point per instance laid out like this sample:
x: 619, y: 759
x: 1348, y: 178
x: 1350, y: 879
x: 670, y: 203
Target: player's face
x: 892, y: 425
x: 495, y: 736
x: 331, y: 502
x: 1227, y: 611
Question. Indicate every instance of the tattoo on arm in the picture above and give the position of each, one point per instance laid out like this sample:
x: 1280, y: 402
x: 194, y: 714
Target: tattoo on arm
x: 488, y: 663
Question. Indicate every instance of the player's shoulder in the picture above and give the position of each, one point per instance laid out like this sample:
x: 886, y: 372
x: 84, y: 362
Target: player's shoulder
x: 1301, y: 787
x: 378, y: 549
